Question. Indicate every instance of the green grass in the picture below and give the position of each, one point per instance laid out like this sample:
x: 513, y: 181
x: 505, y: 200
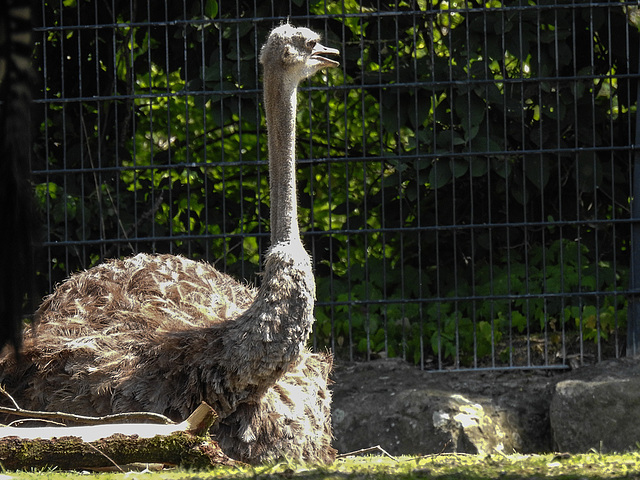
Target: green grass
x: 579, y: 467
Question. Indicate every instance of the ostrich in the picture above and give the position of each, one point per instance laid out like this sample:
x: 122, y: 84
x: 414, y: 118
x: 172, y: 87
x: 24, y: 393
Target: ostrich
x: 162, y: 333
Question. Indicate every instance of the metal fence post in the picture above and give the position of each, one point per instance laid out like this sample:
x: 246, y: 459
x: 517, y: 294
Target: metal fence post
x: 633, y: 312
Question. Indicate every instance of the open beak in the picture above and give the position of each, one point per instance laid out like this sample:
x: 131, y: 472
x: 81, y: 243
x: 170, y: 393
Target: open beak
x: 323, y: 55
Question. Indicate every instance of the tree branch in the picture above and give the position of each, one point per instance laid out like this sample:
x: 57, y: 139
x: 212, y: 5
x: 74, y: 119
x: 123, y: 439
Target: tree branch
x: 82, y: 419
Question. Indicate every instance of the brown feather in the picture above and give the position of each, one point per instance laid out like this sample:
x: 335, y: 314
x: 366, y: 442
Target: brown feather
x: 162, y: 333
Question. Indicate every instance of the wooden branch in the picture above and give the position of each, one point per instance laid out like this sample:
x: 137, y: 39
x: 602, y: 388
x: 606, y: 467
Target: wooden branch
x: 376, y: 448
x: 186, y: 444
x: 17, y: 411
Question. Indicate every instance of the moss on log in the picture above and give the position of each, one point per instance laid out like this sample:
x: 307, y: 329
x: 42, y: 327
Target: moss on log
x: 187, y: 444
x: 180, y: 448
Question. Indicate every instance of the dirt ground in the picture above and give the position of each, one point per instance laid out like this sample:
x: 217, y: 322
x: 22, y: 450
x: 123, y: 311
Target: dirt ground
x: 394, y: 404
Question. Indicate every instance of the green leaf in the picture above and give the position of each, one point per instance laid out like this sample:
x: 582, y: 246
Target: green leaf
x: 440, y: 174
x: 211, y: 8
x: 459, y: 167
x: 537, y: 170
x: 519, y: 321
x: 501, y: 167
x: 479, y: 167
x: 447, y: 139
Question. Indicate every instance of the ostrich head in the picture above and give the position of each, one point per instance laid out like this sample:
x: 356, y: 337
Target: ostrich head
x: 295, y: 53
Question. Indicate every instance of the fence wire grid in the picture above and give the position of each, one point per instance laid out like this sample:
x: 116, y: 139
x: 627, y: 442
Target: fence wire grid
x: 465, y: 177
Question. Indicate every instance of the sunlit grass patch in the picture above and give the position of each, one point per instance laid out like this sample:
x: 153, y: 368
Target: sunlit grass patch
x: 471, y: 467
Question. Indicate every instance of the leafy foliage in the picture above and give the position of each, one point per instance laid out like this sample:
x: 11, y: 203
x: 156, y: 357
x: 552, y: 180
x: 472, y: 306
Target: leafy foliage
x: 470, y: 172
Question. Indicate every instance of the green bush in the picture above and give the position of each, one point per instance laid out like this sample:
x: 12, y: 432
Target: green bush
x: 475, y: 153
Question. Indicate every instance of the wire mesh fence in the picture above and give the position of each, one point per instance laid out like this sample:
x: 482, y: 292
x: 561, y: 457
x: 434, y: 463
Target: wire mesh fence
x: 464, y: 177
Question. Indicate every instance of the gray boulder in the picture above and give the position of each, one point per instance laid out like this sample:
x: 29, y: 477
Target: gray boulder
x: 407, y: 411
x: 599, y: 408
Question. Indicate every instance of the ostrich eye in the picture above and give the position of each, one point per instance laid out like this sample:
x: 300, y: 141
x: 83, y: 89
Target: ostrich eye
x: 288, y: 52
x: 311, y: 44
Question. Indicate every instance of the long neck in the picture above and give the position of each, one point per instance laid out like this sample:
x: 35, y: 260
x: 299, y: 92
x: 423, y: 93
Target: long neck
x: 280, y: 107
x: 256, y: 348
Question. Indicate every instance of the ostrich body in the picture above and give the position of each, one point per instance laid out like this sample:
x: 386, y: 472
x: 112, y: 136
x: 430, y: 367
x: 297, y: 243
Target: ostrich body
x: 162, y: 333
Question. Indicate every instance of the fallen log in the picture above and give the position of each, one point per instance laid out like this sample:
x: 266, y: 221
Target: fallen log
x: 187, y: 444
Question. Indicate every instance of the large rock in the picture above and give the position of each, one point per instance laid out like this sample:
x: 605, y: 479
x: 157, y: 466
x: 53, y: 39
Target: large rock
x: 418, y: 421
x: 474, y: 426
x: 408, y: 411
x: 598, y: 408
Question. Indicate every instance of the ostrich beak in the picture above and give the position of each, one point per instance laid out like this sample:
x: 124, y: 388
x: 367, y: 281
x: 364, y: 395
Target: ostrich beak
x: 321, y: 54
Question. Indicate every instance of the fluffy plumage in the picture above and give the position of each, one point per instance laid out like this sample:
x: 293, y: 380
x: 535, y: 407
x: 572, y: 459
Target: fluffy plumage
x: 162, y: 333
